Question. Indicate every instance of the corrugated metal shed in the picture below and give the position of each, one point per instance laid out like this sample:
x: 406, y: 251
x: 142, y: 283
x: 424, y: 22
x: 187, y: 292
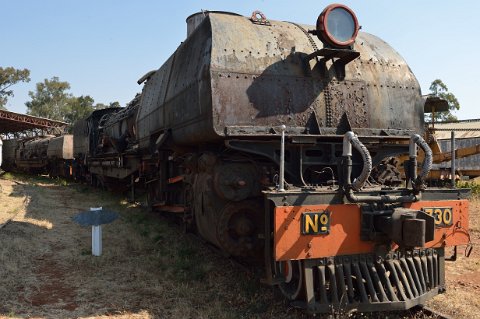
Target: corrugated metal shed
x: 11, y: 122
x: 466, y: 163
x: 468, y: 138
x: 471, y: 127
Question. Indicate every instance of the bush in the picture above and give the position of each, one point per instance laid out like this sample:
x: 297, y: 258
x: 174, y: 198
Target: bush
x: 473, y: 185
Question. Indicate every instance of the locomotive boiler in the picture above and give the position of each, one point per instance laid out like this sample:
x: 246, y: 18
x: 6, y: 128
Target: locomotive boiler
x: 274, y: 142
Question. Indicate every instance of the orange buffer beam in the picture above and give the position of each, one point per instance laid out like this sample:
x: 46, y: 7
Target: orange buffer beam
x: 344, y: 235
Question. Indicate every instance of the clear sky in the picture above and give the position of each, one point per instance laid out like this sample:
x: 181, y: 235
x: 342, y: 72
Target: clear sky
x: 102, y: 47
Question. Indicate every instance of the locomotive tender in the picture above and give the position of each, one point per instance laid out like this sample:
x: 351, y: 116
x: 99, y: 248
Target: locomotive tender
x: 274, y: 140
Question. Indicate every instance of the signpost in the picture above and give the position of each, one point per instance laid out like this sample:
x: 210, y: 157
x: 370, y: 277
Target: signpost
x: 96, y: 217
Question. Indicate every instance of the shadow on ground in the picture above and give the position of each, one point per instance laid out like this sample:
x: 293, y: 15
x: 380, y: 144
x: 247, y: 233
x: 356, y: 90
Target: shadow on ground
x: 149, y: 267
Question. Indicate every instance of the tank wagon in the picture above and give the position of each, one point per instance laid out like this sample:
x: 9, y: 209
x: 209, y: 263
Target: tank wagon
x: 274, y: 142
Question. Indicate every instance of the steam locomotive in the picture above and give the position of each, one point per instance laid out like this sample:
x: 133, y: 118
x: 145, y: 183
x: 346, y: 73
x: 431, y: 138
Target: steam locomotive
x: 47, y: 154
x: 273, y: 141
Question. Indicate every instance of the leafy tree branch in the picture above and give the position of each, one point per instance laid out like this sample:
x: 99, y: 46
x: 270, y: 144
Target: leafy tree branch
x: 8, y: 77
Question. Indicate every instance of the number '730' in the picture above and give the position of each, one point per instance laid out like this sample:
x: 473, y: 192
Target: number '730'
x: 443, y: 215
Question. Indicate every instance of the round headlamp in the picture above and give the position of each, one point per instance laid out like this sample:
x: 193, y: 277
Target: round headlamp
x: 337, y: 26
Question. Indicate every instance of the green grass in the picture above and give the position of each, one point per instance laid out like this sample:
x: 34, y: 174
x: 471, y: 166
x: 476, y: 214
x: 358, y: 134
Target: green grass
x: 175, y: 254
x: 34, y: 179
x: 473, y: 185
x: 7, y: 176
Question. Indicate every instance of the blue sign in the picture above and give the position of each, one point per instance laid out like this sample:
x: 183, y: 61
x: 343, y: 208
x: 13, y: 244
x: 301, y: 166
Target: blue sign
x: 95, y: 217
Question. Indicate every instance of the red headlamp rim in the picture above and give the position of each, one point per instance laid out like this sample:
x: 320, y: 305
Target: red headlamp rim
x: 323, y: 29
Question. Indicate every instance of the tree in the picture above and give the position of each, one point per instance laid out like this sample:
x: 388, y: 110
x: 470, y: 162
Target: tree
x: 114, y: 104
x: 50, y: 100
x: 79, y: 108
x: 100, y: 106
x: 8, y: 77
x: 439, y: 89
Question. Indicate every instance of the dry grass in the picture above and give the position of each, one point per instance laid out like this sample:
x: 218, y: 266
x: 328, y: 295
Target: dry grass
x: 475, y: 215
x: 11, y: 202
x: 149, y: 267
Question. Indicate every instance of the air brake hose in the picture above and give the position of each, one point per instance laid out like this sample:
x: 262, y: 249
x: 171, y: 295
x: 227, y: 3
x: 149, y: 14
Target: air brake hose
x: 350, y: 139
x: 427, y: 162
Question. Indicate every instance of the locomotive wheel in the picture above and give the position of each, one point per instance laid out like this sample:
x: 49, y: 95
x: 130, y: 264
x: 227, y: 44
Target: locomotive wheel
x: 292, y: 270
x: 238, y: 228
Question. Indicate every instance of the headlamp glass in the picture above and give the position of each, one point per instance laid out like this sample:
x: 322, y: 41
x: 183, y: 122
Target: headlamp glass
x: 340, y: 24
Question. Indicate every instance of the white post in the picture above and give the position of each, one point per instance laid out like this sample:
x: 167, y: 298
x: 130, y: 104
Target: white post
x: 281, y: 181
x: 96, y: 236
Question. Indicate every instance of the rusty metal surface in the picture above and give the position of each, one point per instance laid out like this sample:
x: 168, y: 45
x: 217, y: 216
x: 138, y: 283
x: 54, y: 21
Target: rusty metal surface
x: 120, y: 127
x: 231, y: 72
x: 31, y: 153
x: 11, y: 122
x: 35, y: 148
x: 266, y: 64
x: 150, y: 115
x: 178, y: 95
x: 80, y: 142
x: 226, y: 206
x: 372, y: 282
x: 94, y: 130
x: 350, y: 98
x: 194, y: 20
x: 61, y: 147
x: 237, y: 101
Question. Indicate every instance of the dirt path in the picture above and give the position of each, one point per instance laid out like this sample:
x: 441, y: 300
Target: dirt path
x: 462, y: 299
x: 149, y: 268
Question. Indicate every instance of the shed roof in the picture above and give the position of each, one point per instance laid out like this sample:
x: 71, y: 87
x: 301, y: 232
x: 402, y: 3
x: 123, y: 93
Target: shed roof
x: 11, y: 122
x: 463, y: 129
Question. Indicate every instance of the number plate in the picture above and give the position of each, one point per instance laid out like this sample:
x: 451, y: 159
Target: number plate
x: 443, y: 215
x: 315, y: 223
